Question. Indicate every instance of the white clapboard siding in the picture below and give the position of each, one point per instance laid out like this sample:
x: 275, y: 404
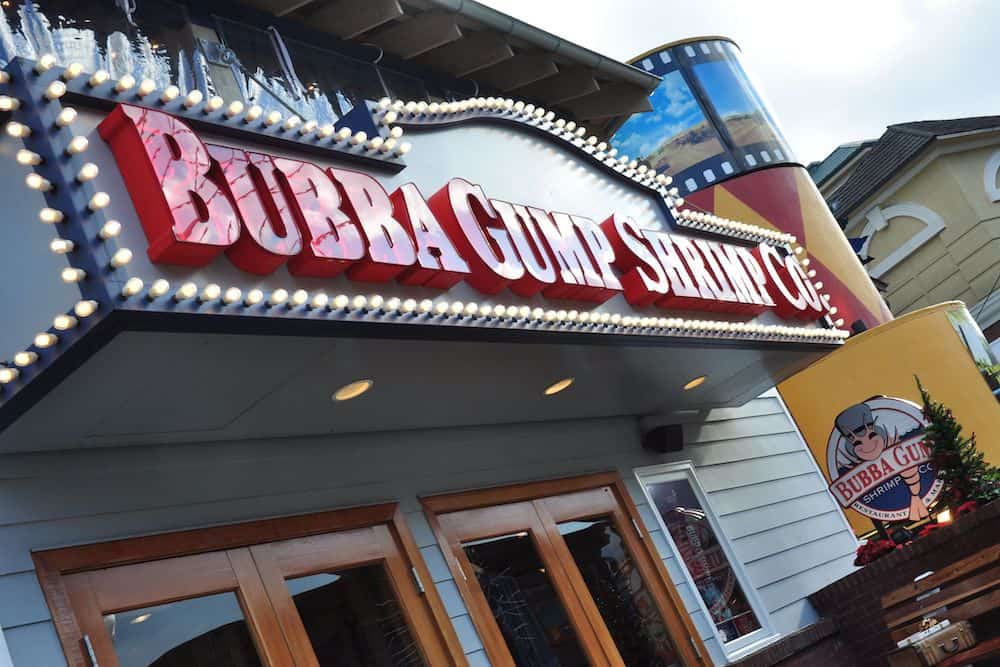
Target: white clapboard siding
x: 760, y: 480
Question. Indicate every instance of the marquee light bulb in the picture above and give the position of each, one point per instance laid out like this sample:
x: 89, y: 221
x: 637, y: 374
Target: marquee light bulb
x: 127, y: 82
x: 232, y: 295
x: 425, y: 306
x: 88, y: 172
x: 45, y: 340
x: 61, y: 246
x: 359, y: 137
x: 193, y: 98
x: 390, y: 117
x: 98, y: 201
x: 299, y: 298
x: 359, y: 302
x: 77, y: 145
x: 72, y: 71
x: 341, y: 302
x: 45, y: 63
x: 213, y: 104
x: 344, y: 133
x: 679, y: 201
x: 210, y: 293
x: 392, y: 304
x: 234, y: 109
x: 375, y: 143
x: 28, y: 158
x: 110, y: 229
x: 253, y: 113
x: 388, y: 145
x: 50, y: 216
x: 471, y: 309
x: 98, y: 78
x: 185, y: 292
x: 64, y: 322
x: 403, y: 148
x: 66, y: 116
x: 85, y: 308
x: 8, y: 103
x: 18, y: 130
x: 278, y: 297
x: 441, y: 308
x: 291, y: 123
x: 272, y: 118
x: 121, y: 257
x: 254, y: 297
x: 8, y: 375
x: 308, y: 127
x: 409, y: 305
x: 37, y: 182
x: 537, y: 313
x: 146, y: 87
x: 376, y: 302
x: 326, y: 131
x: 159, y: 288
x: 396, y: 132
x: 319, y: 301
x: 25, y: 358
x: 132, y: 287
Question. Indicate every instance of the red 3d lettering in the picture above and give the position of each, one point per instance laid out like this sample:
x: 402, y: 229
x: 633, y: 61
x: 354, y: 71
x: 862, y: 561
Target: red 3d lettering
x: 181, y: 195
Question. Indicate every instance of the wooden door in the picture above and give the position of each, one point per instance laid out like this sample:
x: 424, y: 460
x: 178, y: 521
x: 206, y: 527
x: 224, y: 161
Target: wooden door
x: 614, y: 589
x: 326, y: 590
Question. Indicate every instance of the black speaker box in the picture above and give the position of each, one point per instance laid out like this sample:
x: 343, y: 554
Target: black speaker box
x: 663, y: 439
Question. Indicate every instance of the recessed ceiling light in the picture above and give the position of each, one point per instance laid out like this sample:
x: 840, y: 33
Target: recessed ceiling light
x: 696, y: 382
x: 141, y: 618
x: 556, y: 387
x: 353, y: 390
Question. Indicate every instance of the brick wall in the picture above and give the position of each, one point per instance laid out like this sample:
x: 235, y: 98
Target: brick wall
x: 853, y: 603
x: 815, y: 646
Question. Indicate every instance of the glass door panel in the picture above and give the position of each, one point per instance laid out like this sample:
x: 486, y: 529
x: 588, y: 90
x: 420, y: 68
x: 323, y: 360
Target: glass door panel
x: 352, y: 618
x: 520, y: 599
x: 524, y: 603
x: 349, y: 599
x: 623, y: 599
x: 207, y: 631
x: 202, y: 610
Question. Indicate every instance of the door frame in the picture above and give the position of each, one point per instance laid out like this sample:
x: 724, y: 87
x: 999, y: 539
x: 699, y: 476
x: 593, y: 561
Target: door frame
x: 671, y: 606
x: 53, y: 565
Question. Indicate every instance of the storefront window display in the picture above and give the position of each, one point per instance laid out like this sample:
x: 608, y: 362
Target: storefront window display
x: 701, y: 548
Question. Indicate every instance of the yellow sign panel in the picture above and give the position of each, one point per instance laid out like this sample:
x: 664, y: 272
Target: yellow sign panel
x: 858, y: 409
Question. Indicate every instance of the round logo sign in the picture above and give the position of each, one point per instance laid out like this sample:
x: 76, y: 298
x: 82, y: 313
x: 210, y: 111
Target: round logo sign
x: 878, y: 463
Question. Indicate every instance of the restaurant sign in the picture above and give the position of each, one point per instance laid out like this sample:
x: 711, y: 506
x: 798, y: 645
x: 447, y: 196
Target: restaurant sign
x: 197, y: 200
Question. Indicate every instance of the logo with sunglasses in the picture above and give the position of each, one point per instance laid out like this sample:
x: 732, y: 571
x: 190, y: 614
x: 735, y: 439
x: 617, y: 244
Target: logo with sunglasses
x: 878, y: 463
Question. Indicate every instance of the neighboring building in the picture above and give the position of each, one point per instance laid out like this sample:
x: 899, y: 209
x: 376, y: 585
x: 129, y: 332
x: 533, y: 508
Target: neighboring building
x: 922, y: 204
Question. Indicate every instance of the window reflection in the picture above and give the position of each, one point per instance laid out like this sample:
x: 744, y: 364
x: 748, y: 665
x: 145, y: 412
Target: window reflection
x: 154, y: 41
x: 208, y: 631
x: 704, y: 558
x: 524, y: 603
x: 353, y: 619
x: 625, y: 602
x: 673, y: 136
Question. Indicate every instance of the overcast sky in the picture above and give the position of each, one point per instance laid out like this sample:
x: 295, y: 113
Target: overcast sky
x: 833, y: 71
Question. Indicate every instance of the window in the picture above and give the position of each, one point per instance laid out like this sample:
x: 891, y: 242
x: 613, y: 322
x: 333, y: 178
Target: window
x: 561, y: 574
x: 740, y: 622
x: 339, y: 588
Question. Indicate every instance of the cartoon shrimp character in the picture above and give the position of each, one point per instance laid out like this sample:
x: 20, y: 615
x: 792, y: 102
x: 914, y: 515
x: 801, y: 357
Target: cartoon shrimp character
x: 866, y: 439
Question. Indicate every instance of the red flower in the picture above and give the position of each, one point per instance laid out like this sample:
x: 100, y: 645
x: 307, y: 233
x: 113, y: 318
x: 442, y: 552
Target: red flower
x: 872, y: 550
x: 967, y: 507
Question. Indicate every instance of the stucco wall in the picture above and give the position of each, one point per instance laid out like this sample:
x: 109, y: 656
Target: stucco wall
x: 962, y: 261
x: 761, y: 482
